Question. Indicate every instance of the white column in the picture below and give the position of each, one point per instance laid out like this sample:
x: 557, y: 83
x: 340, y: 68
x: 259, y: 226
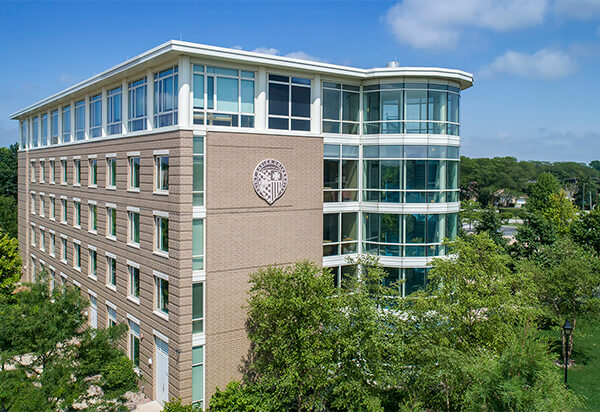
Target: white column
x: 104, y: 111
x: 150, y: 99
x: 59, y: 124
x: 86, y: 113
x: 260, y: 100
x: 315, y: 107
x: 183, y: 94
x: 49, y: 129
x: 124, y: 107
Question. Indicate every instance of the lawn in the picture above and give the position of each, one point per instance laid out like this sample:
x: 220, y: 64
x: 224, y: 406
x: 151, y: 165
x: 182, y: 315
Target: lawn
x: 584, y: 377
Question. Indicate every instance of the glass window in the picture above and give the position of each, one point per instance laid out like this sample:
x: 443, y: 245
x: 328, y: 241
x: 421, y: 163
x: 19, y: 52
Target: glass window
x: 340, y: 105
x: 24, y: 129
x: 35, y: 130
x: 63, y: 171
x: 162, y: 173
x: 134, y: 172
x: 52, y: 249
x: 63, y: 242
x: 111, y: 271
x: 77, y: 214
x: 42, y: 207
x: 162, y: 234
x: 80, y: 120
x: 76, y: 256
x: 63, y: 203
x: 415, y: 279
x: 165, y: 97
x: 93, y: 221
x: 77, y: 172
x: 197, y: 244
x: 112, y: 316
x: 137, y: 105
x: 66, y: 124
x: 52, y: 171
x: 162, y: 295
x: 134, y: 282
x: 32, y: 171
x: 44, y: 130
x: 340, y: 174
x: 93, y: 264
x: 42, y: 240
x: 93, y: 172
x: 111, y: 172
x: 452, y: 175
x: 198, y: 375
x: 134, y: 343
x: 289, y: 103
x: 111, y: 222
x: 198, y: 308
x: 415, y: 228
x: 198, y: 171
x: 133, y: 234
x: 95, y: 113
x: 52, y: 208
x: 42, y: 171
x: 54, y: 127
x: 114, y: 111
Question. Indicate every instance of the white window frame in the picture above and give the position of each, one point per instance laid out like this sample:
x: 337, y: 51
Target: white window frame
x: 130, y: 213
x: 158, y: 187
x: 130, y: 172
x: 109, y: 259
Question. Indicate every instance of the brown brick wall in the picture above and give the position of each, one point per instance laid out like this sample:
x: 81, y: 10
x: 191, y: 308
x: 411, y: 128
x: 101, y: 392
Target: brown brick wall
x: 244, y: 233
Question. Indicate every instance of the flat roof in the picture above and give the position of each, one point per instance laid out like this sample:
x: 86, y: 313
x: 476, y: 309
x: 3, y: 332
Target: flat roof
x: 175, y: 48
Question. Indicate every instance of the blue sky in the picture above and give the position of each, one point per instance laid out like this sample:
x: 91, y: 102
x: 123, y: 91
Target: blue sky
x: 536, y: 62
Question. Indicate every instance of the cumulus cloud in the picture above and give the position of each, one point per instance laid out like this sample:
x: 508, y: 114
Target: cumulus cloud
x: 578, y: 9
x: 294, y: 55
x: 440, y: 24
x: 66, y: 78
x: 545, y: 64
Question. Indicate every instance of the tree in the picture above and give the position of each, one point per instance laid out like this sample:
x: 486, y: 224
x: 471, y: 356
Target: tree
x: 489, y: 221
x: 475, y: 311
x: 541, y: 192
x: 315, y: 346
x: 568, y: 283
x: 50, y: 358
x: 469, y: 212
x: 10, y: 264
x: 9, y: 170
x: 560, y: 211
x: 8, y: 215
x: 586, y: 231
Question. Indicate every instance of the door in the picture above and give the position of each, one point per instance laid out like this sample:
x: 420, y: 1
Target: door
x: 93, y: 312
x: 162, y: 370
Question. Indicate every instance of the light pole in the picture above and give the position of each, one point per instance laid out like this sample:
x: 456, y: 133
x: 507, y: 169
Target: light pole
x: 567, y: 329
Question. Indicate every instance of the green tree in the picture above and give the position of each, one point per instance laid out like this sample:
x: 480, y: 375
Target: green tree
x: 9, y: 170
x: 10, y: 264
x: 8, y: 215
x: 469, y: 212
x: 50, y: 359
x: 566, y: 275
x: 489, y: 221
x: 560, y: 211
x: 586, y: 231
x: 542, y: 191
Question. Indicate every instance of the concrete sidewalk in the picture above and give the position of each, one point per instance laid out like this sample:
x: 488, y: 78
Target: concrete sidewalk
x: 151, y: 406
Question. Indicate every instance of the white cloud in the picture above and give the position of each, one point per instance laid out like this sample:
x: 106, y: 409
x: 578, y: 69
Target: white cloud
x: 578, y: 9
x: 66, y: 78
x: 440, y: 24
x: 545, y: 64
x: 266, y: 50
x: 294, y: 55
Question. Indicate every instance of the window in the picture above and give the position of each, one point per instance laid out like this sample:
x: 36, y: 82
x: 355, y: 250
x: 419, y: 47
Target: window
x: 93, y: 218
x: 223, y: 97
x: 111, y: 222
x: 134, y: 281
x: 35, y: 130
x: 93, y: 264
x: 114, y: 111
x: 63, y: 244
x: 198, y: 308
x: 52, y: 171
x: 133, y: 233
x: 52, y: 246
x: 77, y: 172
x: 80, y: 120
x: 95, y: 110
x: 340, y: 168
x: 42, y: 171
x: 340, y: 108
x: 33, y: 204
x: 111, y: 316
x: 54, y: 127
x: 289, y: 103
x: 162, y: 295
x: 198, y: 172
x: 111, y: 271
x: 24, y: 129
x: 63, y: 204
x: 42, y: 240
x: 162, y: 233
x: 137, y: 105
x: 77, y: 214
x: 93, y: 173
x: 44, y: 130
x: 111, y: 172
x: 165, y: 97
x: 161, y: 173
x: 77, y: 256
x: 66, y: 124
x: 197, y: 244
x: 32, y: 235
x: 63, y: 171
x: 134, y: 343
x: 134, y: 172
x: 198, y: 376
x: 32, y: 172
x: 340, y: 233
x: 42, y: 206
x: 52, y: 208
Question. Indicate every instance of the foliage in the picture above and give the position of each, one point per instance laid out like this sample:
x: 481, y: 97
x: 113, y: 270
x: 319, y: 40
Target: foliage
x: 586, y: 231
x: 10, y: 264
x: 567, y: 278
x: 9, y: 170
x: 541, y: 192
x: 469, y: 211
x: 560, y: 211
x: 489, y: 221
x: 314, y: 346
x: 176, y: 405
x: 8, y: 215
x: 51, y: 359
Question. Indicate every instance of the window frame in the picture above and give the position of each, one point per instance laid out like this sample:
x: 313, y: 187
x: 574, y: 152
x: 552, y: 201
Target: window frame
x: 159, y: 184
x: 289, y: 117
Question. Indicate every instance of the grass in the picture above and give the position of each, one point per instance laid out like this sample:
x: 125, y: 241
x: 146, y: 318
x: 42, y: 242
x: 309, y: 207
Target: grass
x: 584, y: 376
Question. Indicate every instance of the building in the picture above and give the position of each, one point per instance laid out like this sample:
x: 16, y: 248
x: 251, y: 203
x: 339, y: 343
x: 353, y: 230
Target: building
x: 158, y: 185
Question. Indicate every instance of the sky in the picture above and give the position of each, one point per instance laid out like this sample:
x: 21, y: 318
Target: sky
x: 536, y: 63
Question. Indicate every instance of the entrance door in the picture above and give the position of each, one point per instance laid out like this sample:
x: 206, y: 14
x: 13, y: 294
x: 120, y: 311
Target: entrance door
x: 93, y: 312
x: 162, y: 370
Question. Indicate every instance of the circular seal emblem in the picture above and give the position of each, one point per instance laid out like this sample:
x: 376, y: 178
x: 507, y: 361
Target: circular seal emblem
x: 270, y: 180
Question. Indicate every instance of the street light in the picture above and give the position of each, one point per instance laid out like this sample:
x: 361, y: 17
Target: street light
x: 567, y: 329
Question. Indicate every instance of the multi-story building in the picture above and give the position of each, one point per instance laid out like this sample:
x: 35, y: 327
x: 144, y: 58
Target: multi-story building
x: 145, y: 187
